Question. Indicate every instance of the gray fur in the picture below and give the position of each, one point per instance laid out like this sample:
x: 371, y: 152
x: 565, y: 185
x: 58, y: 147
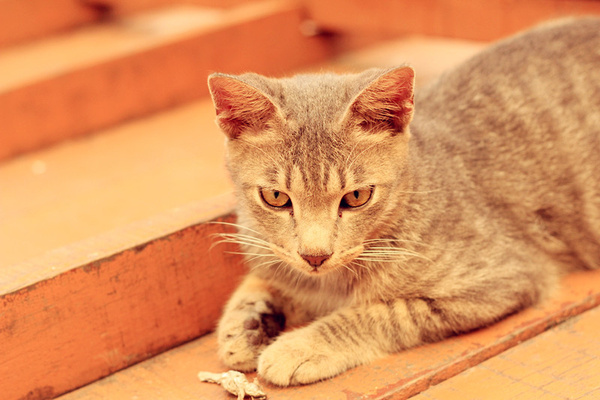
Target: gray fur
x: 476, y: 211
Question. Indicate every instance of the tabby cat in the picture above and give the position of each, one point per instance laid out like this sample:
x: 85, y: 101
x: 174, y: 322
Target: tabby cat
x: 374, y: 221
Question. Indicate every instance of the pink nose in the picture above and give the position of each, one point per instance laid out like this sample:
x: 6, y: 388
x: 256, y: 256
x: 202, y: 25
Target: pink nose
x: 315, y: 260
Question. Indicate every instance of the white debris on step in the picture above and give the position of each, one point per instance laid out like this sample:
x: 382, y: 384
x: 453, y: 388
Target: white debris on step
x: 235, y: 383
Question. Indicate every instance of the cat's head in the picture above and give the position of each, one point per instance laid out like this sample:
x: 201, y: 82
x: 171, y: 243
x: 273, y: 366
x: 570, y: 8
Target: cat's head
x: 319, y: 161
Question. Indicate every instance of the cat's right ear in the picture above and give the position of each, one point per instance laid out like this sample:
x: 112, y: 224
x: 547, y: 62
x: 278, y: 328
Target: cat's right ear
x: 240, y: 107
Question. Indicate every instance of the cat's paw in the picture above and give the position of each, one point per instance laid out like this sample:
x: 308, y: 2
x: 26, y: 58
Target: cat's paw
x: 245, y: 331
x: 295, y: 359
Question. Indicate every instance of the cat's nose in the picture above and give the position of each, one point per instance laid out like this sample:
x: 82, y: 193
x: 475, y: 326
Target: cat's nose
x: 315, y: 260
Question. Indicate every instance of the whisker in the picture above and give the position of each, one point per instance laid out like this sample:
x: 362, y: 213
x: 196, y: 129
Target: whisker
x: 390, y: 257
x: 256, y: 257
x: 281, y: 264
x: 350, y: 269
x: 381, y: 260
x: 260, y: 246
x: 234, y: 225
x: 266, y: 264
x: 247, y: 244
x: 252, y: 254
x: 240, y: 236
x: 370, y: 241
x: 367, y: 268
x: 398, y: 252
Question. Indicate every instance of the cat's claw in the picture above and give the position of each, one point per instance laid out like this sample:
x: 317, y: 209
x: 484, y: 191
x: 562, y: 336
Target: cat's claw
x: 245, y: 331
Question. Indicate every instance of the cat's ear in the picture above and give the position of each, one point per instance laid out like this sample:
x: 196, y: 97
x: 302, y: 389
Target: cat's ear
x: 240, y: 107
x: 386, y: 104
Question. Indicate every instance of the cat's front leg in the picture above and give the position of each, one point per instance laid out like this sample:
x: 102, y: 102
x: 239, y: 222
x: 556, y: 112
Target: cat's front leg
x: 354, y: 336
x: 324, y: 348
x: 252, y: 318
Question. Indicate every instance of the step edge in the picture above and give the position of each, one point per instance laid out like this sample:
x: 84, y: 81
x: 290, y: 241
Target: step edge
x: 109, y: 244
x: 229, y: 18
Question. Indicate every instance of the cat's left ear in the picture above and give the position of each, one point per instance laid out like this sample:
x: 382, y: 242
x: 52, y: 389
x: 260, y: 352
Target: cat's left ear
x: 386, y: 104
x: 240, y: 107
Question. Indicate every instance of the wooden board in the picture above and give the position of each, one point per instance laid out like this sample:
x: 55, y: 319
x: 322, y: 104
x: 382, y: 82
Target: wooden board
x: 26, y: 20
x: 68, y: 86
x: 84, y: 188
x: 563, y: 363
x: 466, y: 19
x: 172, y: 376
x: 100, y: 316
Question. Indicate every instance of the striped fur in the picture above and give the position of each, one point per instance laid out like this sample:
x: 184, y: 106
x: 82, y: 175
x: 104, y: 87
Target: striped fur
x: 477, y: 205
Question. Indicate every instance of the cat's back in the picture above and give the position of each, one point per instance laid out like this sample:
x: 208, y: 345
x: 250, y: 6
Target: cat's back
x: 520, y: 124
x: 552, y: 68
x: 527, y: 104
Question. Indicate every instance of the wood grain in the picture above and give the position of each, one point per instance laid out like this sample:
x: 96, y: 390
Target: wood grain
x: 27, y: 20
x: 475, y: 20
x: 172, y: 375
x: 70, y: 86
x: 66, y: 331
x: 562, y: 363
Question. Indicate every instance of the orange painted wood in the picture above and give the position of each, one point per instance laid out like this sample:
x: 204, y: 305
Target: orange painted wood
x: 123, y: 307
x: 172, y: 375
x: 63, y: 88
x: 26, y: 20
x: 467, y: 19
x: 83, y: 188
x: 563, y: 363
x: 22, y: 20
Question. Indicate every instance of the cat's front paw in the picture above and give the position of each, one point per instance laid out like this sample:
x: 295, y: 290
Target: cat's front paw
x: 295, y: 359
x: 245, y: 331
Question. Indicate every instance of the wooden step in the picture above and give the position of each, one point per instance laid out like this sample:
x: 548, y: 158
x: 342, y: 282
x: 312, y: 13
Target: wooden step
x: 474, y: 19
x: 172, y: 376
x: 105, y: 240
x: 562, y: 363
x: 102, y: 304
x: 80, y: 189
x: 23, y: 20
x: 72, y: 84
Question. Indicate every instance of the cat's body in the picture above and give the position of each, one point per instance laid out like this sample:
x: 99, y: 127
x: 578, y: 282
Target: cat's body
x: 382, y: 238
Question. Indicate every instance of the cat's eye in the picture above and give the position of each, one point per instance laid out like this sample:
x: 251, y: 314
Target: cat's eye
x: 275, y: 198
x: 356, y: 198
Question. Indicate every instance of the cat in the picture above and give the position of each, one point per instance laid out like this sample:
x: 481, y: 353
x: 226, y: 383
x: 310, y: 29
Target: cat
x: 374, y: 220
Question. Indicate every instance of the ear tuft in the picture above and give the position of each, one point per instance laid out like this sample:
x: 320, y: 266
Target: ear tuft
x: 240, y: 108
x: 387, y: 103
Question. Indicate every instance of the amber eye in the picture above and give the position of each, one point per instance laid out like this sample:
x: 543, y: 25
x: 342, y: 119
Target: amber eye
x: 275, y: 198
x: 356, y: 198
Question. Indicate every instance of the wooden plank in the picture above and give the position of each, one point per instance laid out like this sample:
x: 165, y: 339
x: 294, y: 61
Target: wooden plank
x: 128, y: 172
x: 22, y: 20
x: 83, y: 188
x: 26, y: 20
x: 119, y: 308
x: 562, y: 363
x: 475, y: 20
x: 172, y: 375
x: 69, y: 86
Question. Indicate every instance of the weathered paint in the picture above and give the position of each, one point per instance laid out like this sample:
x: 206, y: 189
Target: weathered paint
x: 97, y: 318
x: 172, y: 375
